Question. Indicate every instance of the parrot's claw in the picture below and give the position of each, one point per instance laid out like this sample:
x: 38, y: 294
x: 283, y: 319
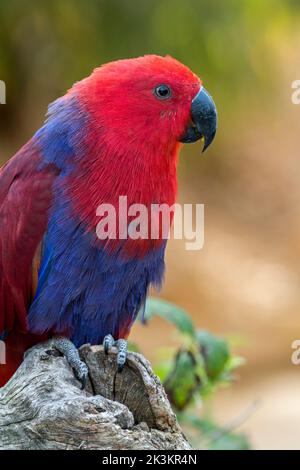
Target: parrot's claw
x: 108, y: 343
x: 81, y: 372
x: 67, y: 348
x: 122, y: 353
x: 121, y: 345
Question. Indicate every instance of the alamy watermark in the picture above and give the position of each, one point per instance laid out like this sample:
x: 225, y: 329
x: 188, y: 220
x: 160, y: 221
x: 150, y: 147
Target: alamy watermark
x: 2, y: 353
x: 2, y: 92
x: 295, y: 357
x: 295, y: 97
x: 152, y: 222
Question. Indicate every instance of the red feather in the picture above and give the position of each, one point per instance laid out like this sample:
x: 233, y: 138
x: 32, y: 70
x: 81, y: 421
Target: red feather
x: 25, y: 198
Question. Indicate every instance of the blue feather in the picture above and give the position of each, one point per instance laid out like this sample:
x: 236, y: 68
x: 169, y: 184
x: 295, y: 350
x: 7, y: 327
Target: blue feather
x: 85, y: 291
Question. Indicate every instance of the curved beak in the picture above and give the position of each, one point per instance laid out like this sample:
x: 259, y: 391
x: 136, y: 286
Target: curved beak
x: 203, y: 120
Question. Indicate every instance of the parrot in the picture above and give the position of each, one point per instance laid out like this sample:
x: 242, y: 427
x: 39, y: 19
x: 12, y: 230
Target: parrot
x: 117, y: 132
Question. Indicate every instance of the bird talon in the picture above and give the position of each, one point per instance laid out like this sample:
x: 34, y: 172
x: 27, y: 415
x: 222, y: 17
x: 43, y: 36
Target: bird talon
x: 121, y: 345
x: 108, y: 342
x: 82, y: 375
x: 67, y: 348
x: 122, y: 353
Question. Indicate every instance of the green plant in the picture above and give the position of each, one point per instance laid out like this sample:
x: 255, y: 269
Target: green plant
x: 192, y: 374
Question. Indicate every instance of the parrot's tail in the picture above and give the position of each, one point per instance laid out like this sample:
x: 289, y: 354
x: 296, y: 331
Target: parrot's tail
x: 12, y: 353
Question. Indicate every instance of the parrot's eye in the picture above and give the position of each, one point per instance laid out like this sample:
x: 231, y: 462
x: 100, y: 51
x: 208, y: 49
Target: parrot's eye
x: 162, y: 92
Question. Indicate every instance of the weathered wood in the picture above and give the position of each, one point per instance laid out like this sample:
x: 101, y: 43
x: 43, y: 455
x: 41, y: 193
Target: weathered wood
x: 43, y: 407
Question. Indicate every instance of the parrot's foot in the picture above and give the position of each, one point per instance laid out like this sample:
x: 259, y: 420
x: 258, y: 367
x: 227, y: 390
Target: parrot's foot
x: 121, y: 345
x: 67, y: 348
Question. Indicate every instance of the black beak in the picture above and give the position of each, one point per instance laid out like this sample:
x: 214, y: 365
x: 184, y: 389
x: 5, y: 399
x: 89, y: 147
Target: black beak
x: 203, y: 120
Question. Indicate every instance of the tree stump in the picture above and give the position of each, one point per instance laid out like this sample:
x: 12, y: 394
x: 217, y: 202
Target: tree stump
x: 43, y: 406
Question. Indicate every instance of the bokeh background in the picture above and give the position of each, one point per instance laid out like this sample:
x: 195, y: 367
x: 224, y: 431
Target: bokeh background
x: 244, y: 283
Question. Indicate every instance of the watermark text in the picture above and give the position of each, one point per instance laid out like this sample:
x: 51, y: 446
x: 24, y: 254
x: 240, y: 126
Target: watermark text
x: 122, y: 221
x: 295, y: 357
x: 296, y: 94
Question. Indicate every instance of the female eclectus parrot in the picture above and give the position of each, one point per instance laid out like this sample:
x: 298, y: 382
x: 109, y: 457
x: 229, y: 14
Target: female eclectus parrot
x: 115, y: 133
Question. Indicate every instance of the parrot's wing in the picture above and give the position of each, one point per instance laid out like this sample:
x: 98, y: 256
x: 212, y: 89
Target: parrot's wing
x: 25, y: 197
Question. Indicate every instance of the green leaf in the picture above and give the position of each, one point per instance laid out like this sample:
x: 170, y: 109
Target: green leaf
x: 170, y: 312
x: 163, y: 369
x: 215, y: 352
x: 234, y: 362
x: 183, y: 381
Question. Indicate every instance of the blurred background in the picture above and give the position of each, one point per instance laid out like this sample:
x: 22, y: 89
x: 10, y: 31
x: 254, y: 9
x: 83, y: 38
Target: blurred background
x: 244, y: 283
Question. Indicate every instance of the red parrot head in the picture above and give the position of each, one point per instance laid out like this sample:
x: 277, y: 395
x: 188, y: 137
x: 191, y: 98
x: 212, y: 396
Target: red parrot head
x: 151, y: 100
